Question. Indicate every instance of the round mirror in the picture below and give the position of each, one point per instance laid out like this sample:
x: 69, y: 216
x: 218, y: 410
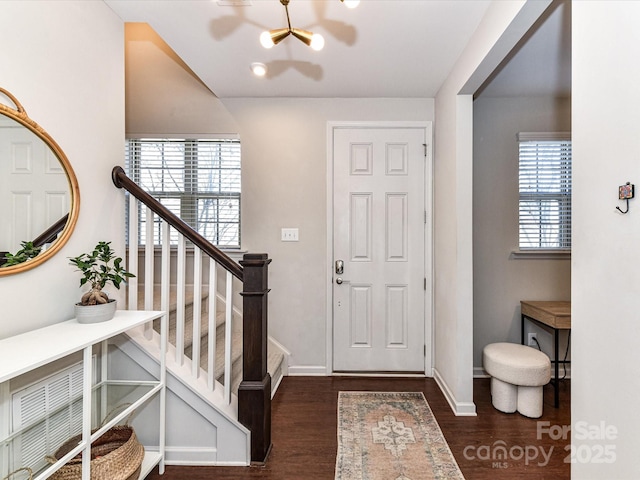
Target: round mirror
x: 39, y: 194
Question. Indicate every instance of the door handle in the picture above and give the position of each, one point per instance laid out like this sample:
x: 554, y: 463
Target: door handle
x: 340, y: 281
x: 339, y: 267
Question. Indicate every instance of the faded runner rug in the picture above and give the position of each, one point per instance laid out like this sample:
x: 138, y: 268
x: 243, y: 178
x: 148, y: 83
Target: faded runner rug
x: 391, y: 436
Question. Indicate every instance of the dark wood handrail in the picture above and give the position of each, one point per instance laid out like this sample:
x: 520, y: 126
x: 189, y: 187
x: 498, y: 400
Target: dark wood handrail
x: 51, y: 233
x: 121, y: 180
x: 254, y: 392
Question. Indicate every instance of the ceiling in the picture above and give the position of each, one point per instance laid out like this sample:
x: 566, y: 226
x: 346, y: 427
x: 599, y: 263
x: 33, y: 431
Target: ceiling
x: 382, y: 48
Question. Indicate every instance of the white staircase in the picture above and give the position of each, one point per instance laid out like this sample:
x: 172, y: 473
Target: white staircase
x: 211, y: 400
x: 218, y: 439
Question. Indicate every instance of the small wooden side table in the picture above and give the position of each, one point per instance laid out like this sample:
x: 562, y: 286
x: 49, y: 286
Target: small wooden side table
x: 554, y: 315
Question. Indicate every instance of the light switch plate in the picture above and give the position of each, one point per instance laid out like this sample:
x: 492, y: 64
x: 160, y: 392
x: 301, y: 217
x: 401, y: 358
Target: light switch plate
x: 289, y: 235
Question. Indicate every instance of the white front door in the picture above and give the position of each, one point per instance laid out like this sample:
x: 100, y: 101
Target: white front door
x: 380, y: 281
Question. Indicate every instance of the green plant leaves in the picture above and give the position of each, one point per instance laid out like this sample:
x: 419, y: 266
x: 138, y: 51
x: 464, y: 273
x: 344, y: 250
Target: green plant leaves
x: 27, y: 252
x: 100, y: 267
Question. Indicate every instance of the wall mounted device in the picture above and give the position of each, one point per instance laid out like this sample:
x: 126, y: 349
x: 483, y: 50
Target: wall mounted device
x: 625, y: 192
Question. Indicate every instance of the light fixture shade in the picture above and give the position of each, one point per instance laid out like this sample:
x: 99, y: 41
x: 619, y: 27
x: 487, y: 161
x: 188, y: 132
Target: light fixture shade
x: 315, y: 41
x: 303, y: 35
x: 276, y: 36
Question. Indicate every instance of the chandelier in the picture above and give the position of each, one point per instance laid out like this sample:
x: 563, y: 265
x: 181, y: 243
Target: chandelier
x: 314, y: 40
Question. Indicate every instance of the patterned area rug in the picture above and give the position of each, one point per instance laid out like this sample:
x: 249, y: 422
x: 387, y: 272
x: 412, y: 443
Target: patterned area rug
x: 391, y: 436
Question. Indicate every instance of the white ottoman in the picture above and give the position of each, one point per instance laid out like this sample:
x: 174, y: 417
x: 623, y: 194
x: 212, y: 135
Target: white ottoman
x: 518, y: 374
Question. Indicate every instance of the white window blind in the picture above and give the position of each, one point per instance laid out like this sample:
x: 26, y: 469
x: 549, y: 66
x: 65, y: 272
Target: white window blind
x: 545, y: 191
x: 197, y: 179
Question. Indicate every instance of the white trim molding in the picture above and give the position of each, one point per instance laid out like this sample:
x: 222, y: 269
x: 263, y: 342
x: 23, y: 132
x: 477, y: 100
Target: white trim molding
x: 518, y: 254
x: 460, y: 409
x: 307, y: 371
x: 427, y: 125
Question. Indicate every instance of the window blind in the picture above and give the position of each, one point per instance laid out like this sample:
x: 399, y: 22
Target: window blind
x: 545, y: 191
x: 197, y: 179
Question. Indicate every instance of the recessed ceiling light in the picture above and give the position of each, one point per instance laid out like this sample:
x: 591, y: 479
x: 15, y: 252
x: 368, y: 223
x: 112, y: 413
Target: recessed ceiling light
x: 259, y: 69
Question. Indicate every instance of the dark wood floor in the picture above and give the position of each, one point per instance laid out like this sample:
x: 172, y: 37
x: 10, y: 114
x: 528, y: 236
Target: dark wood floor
x: 305, y: 442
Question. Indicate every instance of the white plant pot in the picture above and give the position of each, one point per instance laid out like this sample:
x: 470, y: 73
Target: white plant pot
x: 95, y: 313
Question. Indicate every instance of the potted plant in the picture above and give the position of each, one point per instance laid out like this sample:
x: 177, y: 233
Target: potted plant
x: 27, y: 252
x: 98, y: 268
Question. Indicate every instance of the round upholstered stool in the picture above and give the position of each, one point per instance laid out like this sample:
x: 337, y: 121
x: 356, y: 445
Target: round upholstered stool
x: 518, y: 374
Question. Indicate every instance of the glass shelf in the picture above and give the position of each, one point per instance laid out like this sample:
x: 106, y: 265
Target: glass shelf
x: 33, y: 443
x: 114, y: 401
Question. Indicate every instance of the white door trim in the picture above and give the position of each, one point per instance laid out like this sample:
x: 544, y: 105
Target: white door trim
x: 429, y: 305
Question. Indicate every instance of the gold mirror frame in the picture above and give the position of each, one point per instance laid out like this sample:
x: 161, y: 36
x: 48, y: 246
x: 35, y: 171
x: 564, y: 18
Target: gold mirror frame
x: 20, y: 115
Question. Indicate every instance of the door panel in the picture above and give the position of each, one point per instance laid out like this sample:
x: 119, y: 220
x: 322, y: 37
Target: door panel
x: 34, y: 189
x: 379, y: 233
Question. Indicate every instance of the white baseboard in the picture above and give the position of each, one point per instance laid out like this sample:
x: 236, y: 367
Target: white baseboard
x: 379, y: 374
x: 199, y: 457
x: 307, y: 371
x: 190, y: 456
x: 460, y: 409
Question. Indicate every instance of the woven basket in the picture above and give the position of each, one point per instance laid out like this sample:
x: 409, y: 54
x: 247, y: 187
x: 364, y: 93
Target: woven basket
x: 15, y: 472
x: 116, y: 455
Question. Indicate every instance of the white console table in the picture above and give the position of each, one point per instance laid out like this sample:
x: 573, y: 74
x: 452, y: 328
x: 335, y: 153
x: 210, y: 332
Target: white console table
x: 28, y: 351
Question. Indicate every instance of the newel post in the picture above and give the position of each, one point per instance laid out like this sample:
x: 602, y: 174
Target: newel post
x: 254, y: 393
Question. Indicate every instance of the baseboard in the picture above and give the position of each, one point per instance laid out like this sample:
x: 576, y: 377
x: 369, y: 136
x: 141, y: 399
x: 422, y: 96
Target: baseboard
x: 199, y: 457
x: 460, y: 409
x: 379, y: 374
x: 307, y: 371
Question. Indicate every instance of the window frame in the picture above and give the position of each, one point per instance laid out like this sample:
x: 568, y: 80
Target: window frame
x: 189, y: 197
x: 561, y: 197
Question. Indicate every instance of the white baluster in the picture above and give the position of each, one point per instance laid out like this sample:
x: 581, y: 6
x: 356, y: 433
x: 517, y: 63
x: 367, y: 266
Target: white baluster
x: 213, y: 307
x: 165, y: 281
x: 180, y: 300
x: 228, y: 327
x: 132, y: 266
x: 197, y: 311
x: 148, y: 270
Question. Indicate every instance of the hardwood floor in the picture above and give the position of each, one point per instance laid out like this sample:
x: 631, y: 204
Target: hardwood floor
x: 305, y: 442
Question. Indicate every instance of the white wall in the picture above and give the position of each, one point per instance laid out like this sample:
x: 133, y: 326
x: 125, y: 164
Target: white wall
x: 502, y: 26
x: 284, y: 176
x: 64, y: 62
x: 605, y: 254
x: 499, y: 281
x: 284, y: 185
